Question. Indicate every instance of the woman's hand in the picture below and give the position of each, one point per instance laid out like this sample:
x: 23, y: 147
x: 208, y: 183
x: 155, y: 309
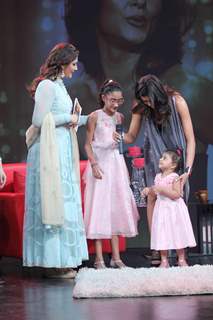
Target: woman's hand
x: 69, y: 125
x: 78, y: 108
x: 3, y: 177
x: 74, y: 119
x: 183, y: 178
x: 96, y: 171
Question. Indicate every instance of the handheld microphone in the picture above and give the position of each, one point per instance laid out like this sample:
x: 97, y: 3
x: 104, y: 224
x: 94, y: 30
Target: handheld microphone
x: 120, y: 130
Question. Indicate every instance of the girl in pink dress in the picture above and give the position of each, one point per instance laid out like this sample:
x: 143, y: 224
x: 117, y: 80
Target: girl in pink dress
x: 171, y: 225
x: 110, y: 208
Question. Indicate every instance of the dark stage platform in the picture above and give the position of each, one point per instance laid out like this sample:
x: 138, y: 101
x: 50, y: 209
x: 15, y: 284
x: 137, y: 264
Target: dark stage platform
x: 26, y: 295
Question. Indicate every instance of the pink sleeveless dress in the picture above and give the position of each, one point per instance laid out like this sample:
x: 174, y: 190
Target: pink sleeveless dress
x: 109, y: 205
x: 171, y: 225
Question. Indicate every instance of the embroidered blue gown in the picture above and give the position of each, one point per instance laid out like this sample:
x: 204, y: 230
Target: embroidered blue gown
x: 58, y: 247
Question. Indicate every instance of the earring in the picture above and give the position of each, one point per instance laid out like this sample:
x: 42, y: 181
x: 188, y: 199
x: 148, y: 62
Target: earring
x: 62, y: 73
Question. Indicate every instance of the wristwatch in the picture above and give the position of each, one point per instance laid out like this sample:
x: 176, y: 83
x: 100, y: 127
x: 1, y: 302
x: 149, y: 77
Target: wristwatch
x: 188, y: 170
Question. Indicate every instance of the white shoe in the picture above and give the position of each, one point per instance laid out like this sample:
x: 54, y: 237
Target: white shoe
x: 117, y: 264
x: 99, y: 265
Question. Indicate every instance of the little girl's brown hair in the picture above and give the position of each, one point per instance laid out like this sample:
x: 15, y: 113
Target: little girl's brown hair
x: 176, y: 156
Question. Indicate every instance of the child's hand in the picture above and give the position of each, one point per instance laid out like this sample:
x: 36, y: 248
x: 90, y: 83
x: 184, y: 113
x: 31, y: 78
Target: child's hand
x: 97, y: 171
x: 145, y: 192
x: 156, y: 189
x: 116, y: 136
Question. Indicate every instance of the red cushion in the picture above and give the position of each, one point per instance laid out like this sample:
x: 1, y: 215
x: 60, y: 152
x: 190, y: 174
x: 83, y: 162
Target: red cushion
x: 9, y: 182
x: 19, y: 181
x: 11, y: 224
x: 9, y: 171
x: 8, y: 187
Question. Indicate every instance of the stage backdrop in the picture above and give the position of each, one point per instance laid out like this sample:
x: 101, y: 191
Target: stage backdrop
x: 119, y: 39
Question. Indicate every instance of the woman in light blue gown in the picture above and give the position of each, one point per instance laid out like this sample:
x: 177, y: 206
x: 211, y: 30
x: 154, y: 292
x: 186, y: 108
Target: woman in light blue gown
x: 58, y: 245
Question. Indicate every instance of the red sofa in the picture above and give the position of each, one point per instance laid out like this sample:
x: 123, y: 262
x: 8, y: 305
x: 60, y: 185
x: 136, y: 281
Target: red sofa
x: 12, y: 212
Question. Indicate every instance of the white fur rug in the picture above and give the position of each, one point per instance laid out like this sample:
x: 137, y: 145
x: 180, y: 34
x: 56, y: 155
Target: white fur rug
x: 129, y: 282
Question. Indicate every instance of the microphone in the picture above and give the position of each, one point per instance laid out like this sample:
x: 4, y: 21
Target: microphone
x: 120, y: 130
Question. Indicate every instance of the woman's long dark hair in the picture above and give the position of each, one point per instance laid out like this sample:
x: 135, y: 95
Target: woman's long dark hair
x: 162, y: 48
x: 61, y: 55
x: 108, y: 86
x: 159, y: 96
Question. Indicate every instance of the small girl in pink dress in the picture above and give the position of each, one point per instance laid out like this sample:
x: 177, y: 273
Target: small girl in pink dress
x: 109, y: 205
x: 171, y: 225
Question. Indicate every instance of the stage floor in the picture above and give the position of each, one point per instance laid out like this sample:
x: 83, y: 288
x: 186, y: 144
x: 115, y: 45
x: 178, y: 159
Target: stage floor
x: 26, y: 295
